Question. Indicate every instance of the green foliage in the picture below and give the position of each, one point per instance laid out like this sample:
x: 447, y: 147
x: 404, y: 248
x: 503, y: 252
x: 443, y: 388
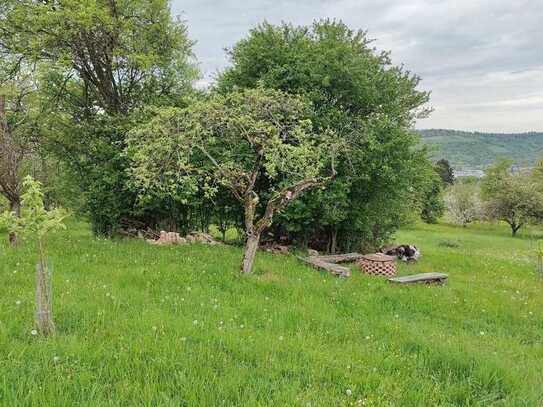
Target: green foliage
x: 515, y: 198
x: 331, y: 64
x: 445, y: 171
x: 433, y: 205
x: 146, y: 325
x: 257, y: 143
x: 371, y: 106
x: 126, y: 52
x: 219, y: 141
x: 35, y: 221
x: 99, y: 62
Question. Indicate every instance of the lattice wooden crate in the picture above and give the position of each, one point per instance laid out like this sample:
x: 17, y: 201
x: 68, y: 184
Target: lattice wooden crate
x: 378, y: 265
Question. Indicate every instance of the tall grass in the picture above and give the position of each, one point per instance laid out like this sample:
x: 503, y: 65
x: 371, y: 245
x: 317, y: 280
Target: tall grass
x: 145, y: 325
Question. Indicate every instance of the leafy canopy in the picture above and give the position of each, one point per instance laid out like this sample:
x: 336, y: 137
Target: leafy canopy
x: 125, y: 52
x: 35, y: 220
x: 248, y: 141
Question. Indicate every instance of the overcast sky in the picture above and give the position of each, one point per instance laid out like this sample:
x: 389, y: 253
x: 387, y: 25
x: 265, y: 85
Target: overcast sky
x: 481, y: 59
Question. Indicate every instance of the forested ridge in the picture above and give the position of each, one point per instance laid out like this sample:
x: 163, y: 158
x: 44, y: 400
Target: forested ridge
x: 476, y: 150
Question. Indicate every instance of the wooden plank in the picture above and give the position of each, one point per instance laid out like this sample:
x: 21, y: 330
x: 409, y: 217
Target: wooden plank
x: 428, y: 278
x: 340, y: 258
x: 335, y: 269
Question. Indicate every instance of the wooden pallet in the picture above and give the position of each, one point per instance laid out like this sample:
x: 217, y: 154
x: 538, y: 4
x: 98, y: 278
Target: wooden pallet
x: 423, y: 278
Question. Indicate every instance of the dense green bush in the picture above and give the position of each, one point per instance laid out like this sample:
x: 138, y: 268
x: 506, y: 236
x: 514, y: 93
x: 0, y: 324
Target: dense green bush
x: 369, y: 103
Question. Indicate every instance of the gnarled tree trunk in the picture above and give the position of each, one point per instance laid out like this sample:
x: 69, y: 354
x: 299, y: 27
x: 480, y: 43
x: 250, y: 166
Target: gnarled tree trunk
x: 253, y: 235
x: 251, y: 246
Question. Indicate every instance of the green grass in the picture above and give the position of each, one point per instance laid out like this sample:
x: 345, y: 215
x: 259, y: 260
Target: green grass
x: 145, y: 325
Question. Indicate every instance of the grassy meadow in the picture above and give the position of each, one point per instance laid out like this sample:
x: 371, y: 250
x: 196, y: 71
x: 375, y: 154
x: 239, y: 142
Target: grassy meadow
x: 145, y: 325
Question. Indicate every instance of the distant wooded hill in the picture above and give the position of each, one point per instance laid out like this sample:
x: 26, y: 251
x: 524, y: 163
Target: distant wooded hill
x: 473, y: 150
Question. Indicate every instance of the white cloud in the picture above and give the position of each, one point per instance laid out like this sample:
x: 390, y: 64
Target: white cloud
x: 482, y: 59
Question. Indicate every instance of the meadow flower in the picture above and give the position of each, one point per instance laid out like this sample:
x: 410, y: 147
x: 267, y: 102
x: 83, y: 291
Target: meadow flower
x: 18, y: 302
x: 56, y: 359
x: 349, y: 392
x: 195, y: 322
x: 34, y: 332
x: 481, y: 333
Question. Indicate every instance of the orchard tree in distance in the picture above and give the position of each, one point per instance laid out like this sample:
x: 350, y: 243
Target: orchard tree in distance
x: 257, y: 143
x: 513, y: 198
x: 463, y: 203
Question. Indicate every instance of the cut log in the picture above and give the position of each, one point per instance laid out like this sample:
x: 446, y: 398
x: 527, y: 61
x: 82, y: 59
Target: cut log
x: 423, y: 278
x: 335, y: 269
x: 340, y: 258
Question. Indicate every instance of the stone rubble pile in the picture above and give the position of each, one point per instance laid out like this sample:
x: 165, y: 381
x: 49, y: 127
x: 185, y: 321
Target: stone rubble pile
x: 174, y: 238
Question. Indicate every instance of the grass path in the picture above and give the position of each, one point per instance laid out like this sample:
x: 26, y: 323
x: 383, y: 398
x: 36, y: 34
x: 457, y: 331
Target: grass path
x: 145, y: 325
